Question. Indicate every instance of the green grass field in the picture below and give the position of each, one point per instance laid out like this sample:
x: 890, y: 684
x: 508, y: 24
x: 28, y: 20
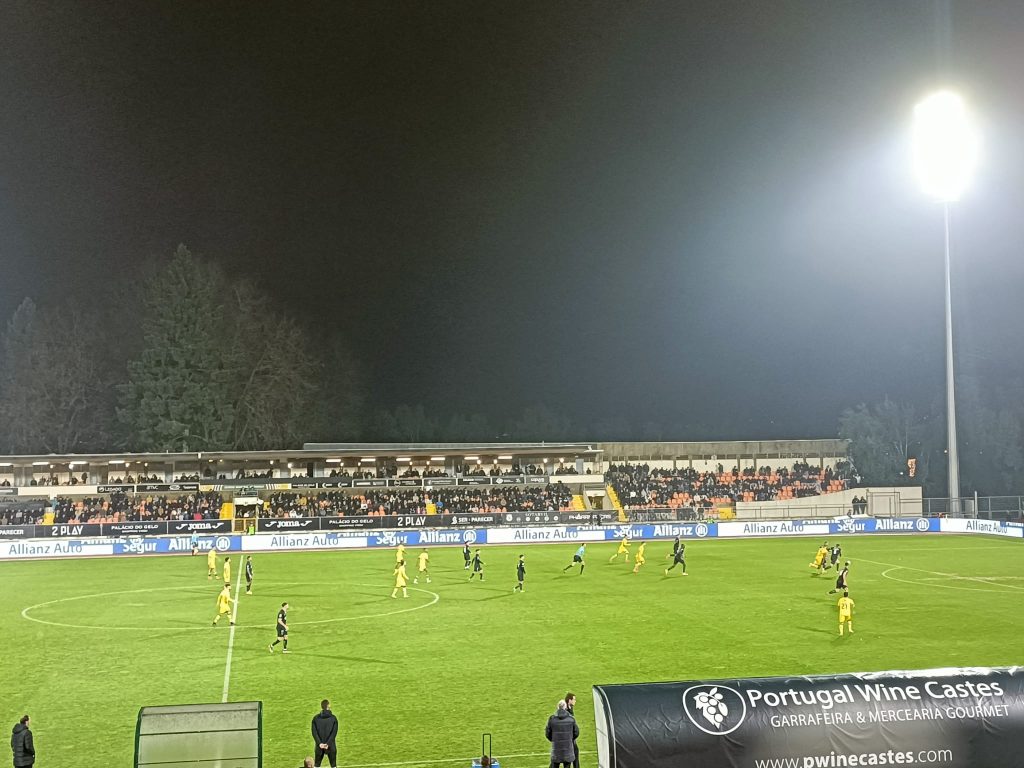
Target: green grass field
x: 416, y: 681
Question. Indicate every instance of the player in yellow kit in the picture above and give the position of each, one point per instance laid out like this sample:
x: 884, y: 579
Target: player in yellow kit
x: 400, y: 553
x: 224, y: 602
x: 401, y: 580
x: 227, y: 569
x: 622, y: 550
x: 423, y: 567
x: 211, y: 563
x: 640, y: 559
x: 845, y: 612
x: 820, y: 558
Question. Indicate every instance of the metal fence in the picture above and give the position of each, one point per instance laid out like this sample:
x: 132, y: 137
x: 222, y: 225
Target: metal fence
x: 985, y: 507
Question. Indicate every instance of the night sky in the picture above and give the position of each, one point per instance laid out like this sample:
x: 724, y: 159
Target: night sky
x: 697, y: 214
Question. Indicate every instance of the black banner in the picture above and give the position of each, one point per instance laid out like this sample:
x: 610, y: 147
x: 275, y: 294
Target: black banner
x: 278, y: 524
x: 304, y: 482
x: 137, y: 528
x: 412, y: 521
x: 472, y: 520
x: 407, y: 482
x: 198, y: 526
x: 6, y: 490
x: 953, y: 718
x: 70, y: 530
x: 336, y: 482
x: 342, y: 523
x: 242, y: 483
x: 536, y: 480
x: 475, y: 480
x: 440, y: 482
x: 19, y: 532
x: 167, y: 487
x: 510, y: 480
x: 115, y: 488
x: 370, y: 482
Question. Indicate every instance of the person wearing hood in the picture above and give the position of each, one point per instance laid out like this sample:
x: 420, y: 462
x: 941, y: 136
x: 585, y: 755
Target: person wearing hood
x: 21, y: 744
x: 325, y: 732
x: 562, y: 732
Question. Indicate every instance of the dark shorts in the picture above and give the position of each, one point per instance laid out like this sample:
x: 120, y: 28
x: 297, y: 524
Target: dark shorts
x: 282, y: 632
x: 577, y: 559
x: 840, y: 583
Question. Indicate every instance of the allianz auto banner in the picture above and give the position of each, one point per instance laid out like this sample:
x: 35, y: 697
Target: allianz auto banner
x: 955, y: 718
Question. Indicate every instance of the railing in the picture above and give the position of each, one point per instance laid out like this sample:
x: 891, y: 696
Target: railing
x: 325, y: 523
x: 986, y: 507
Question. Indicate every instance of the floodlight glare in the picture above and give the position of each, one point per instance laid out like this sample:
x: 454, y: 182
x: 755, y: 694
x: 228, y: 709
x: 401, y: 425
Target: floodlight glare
x: 946, y: 145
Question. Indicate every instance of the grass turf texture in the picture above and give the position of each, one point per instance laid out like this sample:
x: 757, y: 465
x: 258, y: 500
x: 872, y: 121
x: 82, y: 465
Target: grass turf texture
x: 423, y: 684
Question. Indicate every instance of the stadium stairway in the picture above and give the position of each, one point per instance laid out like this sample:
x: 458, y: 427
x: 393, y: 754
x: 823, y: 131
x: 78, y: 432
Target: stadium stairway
x: 615, y: 502
x: 578, y: 502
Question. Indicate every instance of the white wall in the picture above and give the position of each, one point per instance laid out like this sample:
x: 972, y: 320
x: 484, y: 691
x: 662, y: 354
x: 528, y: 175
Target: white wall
x: 882, y: 502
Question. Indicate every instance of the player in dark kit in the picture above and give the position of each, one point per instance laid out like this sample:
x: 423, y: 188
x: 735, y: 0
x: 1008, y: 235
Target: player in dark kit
x: 841, y: 579
x: 466, y: 556
x: 675, y: 548
x: 679, y: 558
x: 834, y: 554
x: 282, y: 629
x: 248, y: 574
x: 478, y: 566
x: 520, y: 574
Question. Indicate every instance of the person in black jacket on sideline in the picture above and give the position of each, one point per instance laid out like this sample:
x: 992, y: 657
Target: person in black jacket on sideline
x: 570, y: 704
x: 21, y: 744
x: 562, y: 732
x: 325, y: 731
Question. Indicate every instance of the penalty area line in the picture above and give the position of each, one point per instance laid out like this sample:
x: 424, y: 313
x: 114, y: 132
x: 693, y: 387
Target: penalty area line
x: 979, y: 579
x: 231, y: 644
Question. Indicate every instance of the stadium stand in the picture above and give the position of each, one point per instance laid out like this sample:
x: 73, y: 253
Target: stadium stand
x: 120, y: 507
x: 555, y: 497
x: 638, y: 486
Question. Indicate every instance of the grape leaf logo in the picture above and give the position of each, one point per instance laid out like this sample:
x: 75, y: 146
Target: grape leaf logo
x: 712, y: 706
x: 715, y: 709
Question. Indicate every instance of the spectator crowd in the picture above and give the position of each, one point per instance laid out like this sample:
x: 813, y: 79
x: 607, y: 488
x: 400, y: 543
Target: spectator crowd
x: 119, y: 507
x: 639, y: 486
x: 485, y: 499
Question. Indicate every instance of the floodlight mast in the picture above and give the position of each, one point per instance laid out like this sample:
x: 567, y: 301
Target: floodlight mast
x: 945, y: 145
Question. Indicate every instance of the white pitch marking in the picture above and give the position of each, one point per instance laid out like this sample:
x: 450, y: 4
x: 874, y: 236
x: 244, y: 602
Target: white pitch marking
x: 934, y: 573
x: 25, y: 611
x: 231, y: 644
x: 885, y: 575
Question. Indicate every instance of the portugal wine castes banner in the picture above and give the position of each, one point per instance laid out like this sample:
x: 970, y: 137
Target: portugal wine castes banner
x: 955, y: 718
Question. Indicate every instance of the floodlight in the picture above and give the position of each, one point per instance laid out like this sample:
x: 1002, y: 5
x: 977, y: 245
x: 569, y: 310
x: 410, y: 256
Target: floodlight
x: 946, y: 145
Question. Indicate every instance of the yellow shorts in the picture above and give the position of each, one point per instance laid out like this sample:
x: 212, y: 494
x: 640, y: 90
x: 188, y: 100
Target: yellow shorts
x: 845, y: 617
x: 641, y: 560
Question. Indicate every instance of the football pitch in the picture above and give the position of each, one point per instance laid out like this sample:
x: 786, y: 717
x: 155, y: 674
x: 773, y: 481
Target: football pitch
x: 416, y: 681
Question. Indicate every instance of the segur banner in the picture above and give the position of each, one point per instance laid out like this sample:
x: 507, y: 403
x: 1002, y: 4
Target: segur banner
x: 954, y: 718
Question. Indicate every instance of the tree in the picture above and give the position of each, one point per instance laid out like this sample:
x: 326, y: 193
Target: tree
x: 538, y: 422
x: 467, y: 428
x: 990, y: 437
x: 273, y: 375
x: 178, y: 394
x: 883, y: 437
x: 54, y: 386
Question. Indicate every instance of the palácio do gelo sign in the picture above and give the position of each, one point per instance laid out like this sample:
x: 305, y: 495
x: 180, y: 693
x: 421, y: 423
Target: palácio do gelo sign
x: 960, y: 718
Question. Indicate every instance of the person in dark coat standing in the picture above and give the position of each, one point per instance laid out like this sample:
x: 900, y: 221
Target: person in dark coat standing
x: 570, y: 704
x: 325, y: 732
x: 562, y: 732
x: 21, y: 744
